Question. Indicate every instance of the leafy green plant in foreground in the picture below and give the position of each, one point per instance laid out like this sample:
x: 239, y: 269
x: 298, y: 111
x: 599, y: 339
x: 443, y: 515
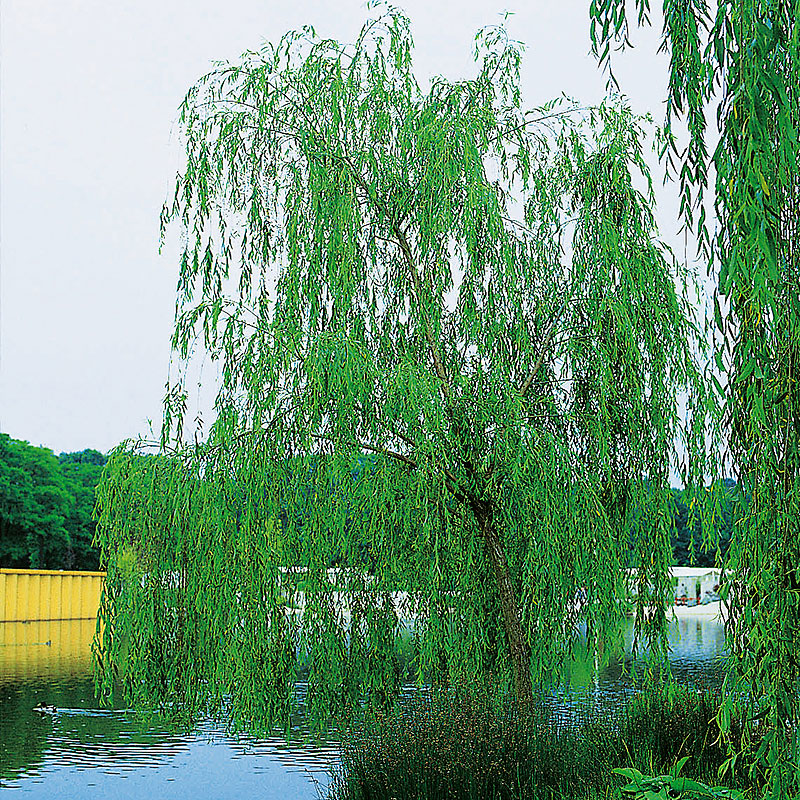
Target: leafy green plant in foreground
x: 672, y: 722
x: 671, y: 786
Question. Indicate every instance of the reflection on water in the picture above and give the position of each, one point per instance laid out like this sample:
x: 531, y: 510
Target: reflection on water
x: 43, y: 650
x: 600, y: 679
x: 83, y: 751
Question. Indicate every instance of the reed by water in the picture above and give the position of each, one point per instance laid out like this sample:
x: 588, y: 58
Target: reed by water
x: 448, y: 747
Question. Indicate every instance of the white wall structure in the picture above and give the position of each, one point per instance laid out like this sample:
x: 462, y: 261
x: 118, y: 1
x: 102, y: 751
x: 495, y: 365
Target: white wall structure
x: 695, y: 582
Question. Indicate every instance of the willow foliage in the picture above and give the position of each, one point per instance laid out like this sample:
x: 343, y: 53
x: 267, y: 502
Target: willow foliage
x: 449, y: 345
x: 748, y: 54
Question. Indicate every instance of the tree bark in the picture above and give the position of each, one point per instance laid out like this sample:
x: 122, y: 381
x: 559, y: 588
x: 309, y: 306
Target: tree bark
x: 518, y: 646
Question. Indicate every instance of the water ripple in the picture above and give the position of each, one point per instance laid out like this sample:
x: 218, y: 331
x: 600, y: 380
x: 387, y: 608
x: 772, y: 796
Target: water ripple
x: 88, y: 752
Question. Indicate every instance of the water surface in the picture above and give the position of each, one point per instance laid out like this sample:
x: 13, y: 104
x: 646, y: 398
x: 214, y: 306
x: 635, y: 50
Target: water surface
x: 87, y: 752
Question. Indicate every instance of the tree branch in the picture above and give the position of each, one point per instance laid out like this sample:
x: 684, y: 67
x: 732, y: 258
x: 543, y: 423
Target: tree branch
x: 526, y: 384
x: 563, y: 113
x: 398, y: 434
x: 405, y: 249
x: 372, y: 448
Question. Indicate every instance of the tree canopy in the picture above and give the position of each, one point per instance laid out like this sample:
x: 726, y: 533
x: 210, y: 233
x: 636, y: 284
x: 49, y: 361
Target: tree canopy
x: 744, y: 55
x: 46, y: 506
x: 470, y: 296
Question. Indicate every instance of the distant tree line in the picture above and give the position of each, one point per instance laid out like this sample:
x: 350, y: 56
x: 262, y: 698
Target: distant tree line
x: 690, y: 547
x: 46, y: 506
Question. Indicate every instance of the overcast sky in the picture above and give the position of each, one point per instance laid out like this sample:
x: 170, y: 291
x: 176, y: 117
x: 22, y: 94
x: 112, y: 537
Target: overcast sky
x: 90, y: 90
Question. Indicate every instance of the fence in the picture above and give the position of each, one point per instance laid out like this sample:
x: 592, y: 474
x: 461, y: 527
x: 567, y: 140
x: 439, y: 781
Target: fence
x: 41, y: 594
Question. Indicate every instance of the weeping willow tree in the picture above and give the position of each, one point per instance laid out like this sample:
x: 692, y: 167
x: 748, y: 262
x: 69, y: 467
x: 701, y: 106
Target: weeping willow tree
x: 449, y: 347
x: 747, y: 57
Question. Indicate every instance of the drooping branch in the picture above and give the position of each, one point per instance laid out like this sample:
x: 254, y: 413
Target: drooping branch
x: 371, y: 447
x: 405, y: 249
x: 409, y: 259
x: 548, y: 340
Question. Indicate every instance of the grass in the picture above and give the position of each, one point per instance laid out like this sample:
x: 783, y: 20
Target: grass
x: 447, y: 747
x: 664, y: 725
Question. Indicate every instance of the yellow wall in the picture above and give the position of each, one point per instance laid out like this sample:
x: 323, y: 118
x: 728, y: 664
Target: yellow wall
x: 39, y: 594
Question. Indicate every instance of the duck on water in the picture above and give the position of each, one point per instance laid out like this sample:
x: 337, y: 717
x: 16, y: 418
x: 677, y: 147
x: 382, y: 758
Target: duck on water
x: 43, y: 708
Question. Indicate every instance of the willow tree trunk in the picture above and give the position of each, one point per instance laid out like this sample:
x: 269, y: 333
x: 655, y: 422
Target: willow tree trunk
x: 518, y: 646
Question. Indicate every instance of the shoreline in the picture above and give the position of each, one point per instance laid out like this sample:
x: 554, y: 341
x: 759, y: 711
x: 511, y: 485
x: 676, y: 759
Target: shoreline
x: 708, y: 611
x: 713, y: 611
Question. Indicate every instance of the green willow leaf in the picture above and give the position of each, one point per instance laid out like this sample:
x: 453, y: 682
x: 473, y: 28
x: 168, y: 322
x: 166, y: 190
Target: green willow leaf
x: 749, y: 54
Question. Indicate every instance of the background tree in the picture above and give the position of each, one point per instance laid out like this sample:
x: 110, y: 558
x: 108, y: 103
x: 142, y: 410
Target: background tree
x: 747, y: 56
x: 469, y: 294
x: 34, y: 504
x: 46, y: 506
x: 692, y: 546
x: 82, y: 470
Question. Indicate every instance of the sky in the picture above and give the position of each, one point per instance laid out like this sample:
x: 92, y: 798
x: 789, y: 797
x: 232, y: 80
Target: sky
x: 89, y: 147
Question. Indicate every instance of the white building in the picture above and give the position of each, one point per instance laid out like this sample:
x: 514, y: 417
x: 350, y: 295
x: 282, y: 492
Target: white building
x: 695, y: 582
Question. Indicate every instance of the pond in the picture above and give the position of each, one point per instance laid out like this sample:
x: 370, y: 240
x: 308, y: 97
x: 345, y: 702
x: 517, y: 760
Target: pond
x: 88, y: 752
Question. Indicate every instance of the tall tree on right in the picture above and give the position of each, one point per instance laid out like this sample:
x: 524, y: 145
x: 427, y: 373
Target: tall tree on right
x: 747, y: 56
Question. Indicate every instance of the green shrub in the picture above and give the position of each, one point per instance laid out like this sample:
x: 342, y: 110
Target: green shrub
x: 447, y: 747
x: 671, y: 787
x: 663, y: 725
